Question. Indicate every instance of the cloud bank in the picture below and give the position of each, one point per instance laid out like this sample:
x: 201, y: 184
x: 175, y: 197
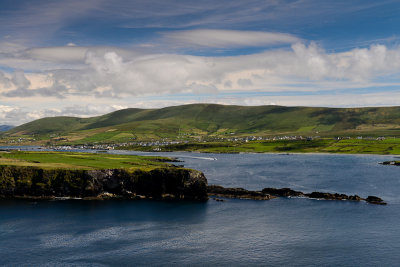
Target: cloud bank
x: 228, y: 38
x: 12, y: 115
x: 116, y: 73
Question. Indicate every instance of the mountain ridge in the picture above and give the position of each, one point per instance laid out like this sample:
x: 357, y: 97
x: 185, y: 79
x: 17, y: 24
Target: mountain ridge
x: 5, y: 127
x: 197, y: 120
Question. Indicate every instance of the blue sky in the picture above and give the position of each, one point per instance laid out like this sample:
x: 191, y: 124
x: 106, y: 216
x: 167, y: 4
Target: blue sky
x: 85, y: 58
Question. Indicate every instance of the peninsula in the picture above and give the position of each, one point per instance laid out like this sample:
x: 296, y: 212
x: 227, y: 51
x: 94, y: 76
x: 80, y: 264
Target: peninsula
x: 96, y: 176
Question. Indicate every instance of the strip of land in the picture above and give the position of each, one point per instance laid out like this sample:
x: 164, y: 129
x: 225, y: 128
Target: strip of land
x: 96, y: 176
x: 384, y: 146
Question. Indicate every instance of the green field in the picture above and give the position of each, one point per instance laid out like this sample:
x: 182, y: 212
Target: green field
x: 348, y: 146
x: 208, y: 121
x: 84, y: 161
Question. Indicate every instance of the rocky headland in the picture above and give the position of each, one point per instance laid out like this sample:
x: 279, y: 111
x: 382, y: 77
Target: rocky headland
x: 160, y: 183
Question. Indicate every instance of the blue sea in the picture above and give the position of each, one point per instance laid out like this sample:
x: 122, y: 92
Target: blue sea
x: 278, y: 232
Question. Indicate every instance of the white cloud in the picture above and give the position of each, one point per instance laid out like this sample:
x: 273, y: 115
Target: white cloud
x: 228, y: 38
x: 12, y: 115
x: 113, y: 72
x: 17, y: 56
x: 10, y: 47
x: 19, y: 80
x: 71, y: 53
x: 5, y: 82
x: 60, y: 54
x: 327, y: 100
x: 330, y: 100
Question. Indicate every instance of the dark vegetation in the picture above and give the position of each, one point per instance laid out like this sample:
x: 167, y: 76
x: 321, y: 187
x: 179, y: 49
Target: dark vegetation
x: 161, y: 183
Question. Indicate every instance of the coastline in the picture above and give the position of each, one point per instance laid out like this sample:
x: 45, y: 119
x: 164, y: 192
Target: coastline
x: 160, y: 183
x: 269, y: 153
x: 164, y: 183
x: 44, y: 148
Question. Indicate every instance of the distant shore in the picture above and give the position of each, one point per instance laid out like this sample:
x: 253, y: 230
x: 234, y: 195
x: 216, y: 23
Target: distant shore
x: 390, y: 146
x: 216, y: 150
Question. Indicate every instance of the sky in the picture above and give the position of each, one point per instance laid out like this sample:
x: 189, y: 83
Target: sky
x: 88, y: 58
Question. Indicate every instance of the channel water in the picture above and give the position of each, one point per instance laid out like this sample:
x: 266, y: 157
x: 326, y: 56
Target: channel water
x: 278, y: 232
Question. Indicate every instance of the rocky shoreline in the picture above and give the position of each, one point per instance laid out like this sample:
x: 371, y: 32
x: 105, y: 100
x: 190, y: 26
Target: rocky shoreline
x: 169, y: 183
x: 241, y: 193
x: 160, y: 183
x: 270, y: 193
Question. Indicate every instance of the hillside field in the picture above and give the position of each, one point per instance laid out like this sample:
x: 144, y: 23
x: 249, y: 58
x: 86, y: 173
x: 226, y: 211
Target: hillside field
x: 208, y: 121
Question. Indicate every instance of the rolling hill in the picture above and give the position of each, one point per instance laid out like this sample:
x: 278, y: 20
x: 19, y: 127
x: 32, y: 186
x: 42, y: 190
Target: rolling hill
x: 212, y: 120
x: 5, y: 127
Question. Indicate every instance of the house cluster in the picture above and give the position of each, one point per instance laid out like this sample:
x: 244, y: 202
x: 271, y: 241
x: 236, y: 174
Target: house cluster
x: 380, y: 138
x: 269, y: 138
x: 112, y: 146
x: 18, y: 140
x: 166, y: 142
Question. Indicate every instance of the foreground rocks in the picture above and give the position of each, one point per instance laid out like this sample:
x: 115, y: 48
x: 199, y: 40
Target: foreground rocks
x: 161, y: 183
x: 270, y: 193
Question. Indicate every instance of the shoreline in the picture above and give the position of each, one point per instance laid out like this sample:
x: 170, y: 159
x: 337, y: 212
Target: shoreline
x: 43, y: 148
x: 268, y: 153
x: 214, y: 192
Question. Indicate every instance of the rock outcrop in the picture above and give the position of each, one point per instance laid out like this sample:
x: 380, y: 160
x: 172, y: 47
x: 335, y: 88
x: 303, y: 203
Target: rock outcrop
x: 241, y: 193
x: 269, y: 193
x: 282, y: 192
x: 375, y: 200
x: 393, y: 162
x: 161, y: 183
x: 287, y: 192
x: 333, y: 196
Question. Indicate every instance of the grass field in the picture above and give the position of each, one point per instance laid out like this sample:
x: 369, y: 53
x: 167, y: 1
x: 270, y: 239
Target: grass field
x: 348, y: 146
x: 85, y: 161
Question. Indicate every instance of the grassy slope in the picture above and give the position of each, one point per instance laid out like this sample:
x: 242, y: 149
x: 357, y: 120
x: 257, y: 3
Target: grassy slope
x: 86, y: 161
x: 351, y: 146
x: 216, y: 120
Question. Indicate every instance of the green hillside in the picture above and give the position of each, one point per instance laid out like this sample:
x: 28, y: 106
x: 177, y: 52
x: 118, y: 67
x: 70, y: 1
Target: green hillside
x: 211, y: 120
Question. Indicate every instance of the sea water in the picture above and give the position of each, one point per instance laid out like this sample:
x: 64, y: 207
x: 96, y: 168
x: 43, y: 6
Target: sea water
x: 278, y: 232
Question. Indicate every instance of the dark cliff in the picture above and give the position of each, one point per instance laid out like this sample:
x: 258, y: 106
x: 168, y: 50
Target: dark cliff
x: 161, y: 183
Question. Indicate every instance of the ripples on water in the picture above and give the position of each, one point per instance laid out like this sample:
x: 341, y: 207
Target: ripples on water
x: 284, y: 232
